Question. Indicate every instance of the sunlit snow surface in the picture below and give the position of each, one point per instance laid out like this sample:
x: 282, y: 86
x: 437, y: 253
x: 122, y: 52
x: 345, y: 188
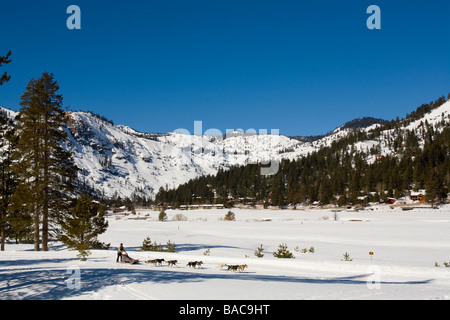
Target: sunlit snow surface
x: 406, y: 246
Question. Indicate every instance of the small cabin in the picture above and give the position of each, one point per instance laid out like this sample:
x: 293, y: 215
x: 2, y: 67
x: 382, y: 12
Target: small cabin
x: 417, y: 196
x: 390, y: 201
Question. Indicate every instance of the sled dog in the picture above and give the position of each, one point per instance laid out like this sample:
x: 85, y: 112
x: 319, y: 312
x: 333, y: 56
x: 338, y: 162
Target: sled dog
x: 195, y: 264
x: 172, y: 263
x: 155, y: 261
x: 232, y: 267
x: 242, y: 267
x: 151, y: 261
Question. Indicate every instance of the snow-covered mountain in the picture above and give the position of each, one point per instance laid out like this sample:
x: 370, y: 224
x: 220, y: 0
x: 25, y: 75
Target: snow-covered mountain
x: 117, y: 160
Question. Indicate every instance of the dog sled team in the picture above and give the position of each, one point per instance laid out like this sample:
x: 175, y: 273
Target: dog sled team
x: 198, y: 264
x: 122, y: 254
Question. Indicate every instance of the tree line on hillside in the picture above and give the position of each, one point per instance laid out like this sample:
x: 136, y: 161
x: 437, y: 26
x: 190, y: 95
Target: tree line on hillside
x: 339, y: 174
x: 38, y: 195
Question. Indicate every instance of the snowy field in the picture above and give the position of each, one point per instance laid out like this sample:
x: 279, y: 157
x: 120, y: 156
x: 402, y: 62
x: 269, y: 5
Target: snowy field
x: 405, y: 246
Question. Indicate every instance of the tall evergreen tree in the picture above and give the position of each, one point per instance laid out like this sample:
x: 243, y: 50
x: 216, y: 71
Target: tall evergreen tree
x: 45, y: 170
x: 7, y: 178
x: 435, y: 188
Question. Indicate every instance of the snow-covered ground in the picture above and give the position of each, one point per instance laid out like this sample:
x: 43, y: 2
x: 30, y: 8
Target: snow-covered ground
x: 405, y: 246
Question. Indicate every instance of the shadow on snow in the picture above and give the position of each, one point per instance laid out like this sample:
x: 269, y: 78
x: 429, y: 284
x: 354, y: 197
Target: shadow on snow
x: 51, y: 284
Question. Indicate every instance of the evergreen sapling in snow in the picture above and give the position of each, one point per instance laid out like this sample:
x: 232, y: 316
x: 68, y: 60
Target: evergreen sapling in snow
x: 82, y: 226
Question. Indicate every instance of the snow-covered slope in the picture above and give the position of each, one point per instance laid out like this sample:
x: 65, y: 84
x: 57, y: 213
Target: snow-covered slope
x: 117, y: 160
x: 438, y: 119
x: 120, y: 159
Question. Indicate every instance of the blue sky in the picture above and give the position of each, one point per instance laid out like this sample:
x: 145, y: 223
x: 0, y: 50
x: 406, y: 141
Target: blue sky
x: 303, y: 67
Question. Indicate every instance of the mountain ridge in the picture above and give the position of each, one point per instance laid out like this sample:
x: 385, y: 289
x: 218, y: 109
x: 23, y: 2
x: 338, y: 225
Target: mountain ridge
x: 117, y: 160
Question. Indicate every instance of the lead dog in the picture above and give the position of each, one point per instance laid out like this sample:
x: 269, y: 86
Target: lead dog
x: 242, y: 267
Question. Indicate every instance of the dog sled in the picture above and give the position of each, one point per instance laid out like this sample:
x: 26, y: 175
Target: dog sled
x: 127, y: 259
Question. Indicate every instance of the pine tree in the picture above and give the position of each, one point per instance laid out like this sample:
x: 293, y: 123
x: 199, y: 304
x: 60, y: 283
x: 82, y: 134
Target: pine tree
x: 283, y: 252
x: 46, y: 172
x: 5, y: 60
x: 325, y: 195
x: 146, y: 245
x: 342, y: 201
x: 8, y: 181
x: 171, y: 246
x: 82, y: 225
x: 162, y: 216
x: 277, y: 191
x: 19, y: 224
x: 435, y: 188
x: 259, y: 251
